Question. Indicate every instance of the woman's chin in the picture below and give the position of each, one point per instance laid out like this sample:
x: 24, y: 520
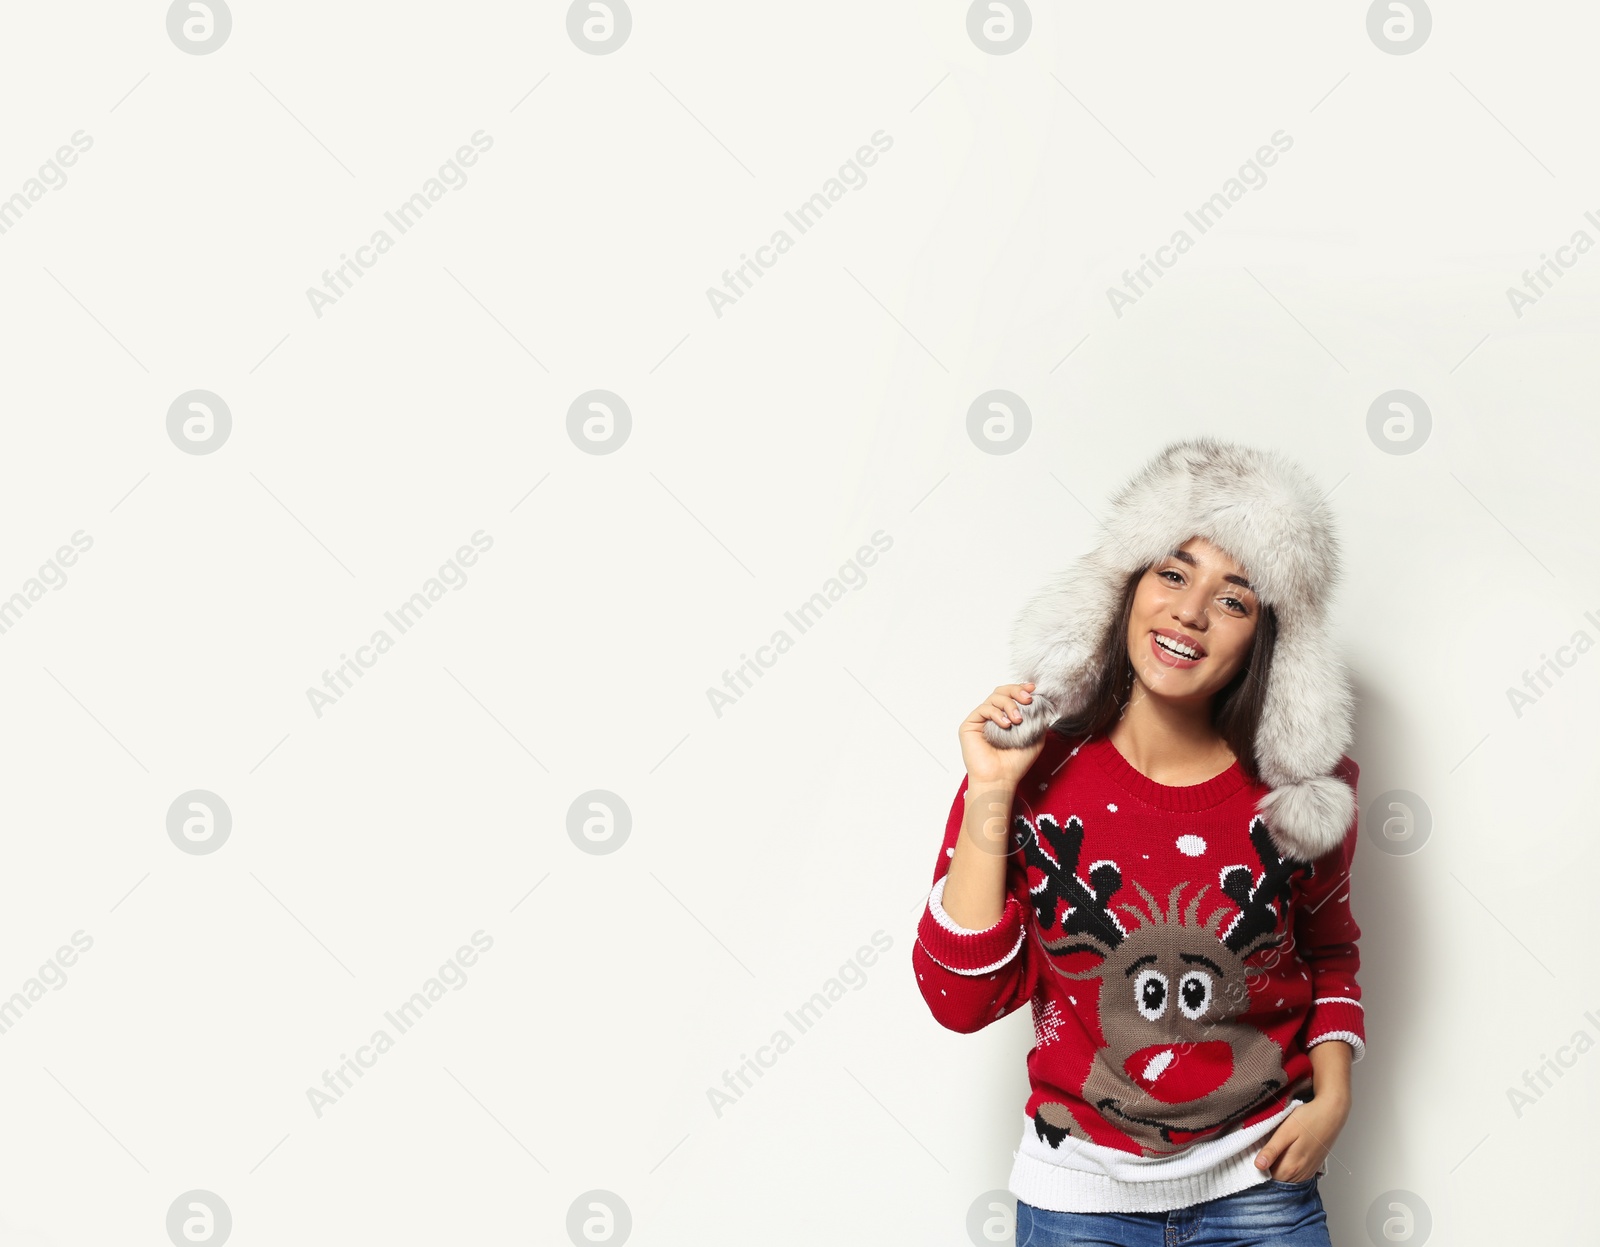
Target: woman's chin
x: 1176, y: 686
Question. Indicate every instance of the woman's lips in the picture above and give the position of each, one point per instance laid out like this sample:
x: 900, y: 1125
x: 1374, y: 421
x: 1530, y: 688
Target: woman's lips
x: 1168, y: 658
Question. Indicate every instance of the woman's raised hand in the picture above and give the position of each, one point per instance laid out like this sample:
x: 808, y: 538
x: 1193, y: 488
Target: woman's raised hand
x: 985, y: 764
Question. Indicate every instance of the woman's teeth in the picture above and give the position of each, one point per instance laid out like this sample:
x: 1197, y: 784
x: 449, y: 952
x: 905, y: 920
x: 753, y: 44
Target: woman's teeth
x: 1175, y: 647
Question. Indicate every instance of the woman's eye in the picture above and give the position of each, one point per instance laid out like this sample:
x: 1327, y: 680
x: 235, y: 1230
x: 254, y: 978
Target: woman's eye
x: 1175, y: 575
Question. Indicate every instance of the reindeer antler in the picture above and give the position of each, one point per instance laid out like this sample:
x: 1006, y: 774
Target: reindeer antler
x: 1256, y: 918
x: 1057, y: 861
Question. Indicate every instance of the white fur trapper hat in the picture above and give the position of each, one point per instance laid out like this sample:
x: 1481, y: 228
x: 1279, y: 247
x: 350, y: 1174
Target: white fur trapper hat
x: 1269, y: 514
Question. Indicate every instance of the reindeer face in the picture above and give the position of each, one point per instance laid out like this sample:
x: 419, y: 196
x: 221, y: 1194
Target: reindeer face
x: 1174, y: 1063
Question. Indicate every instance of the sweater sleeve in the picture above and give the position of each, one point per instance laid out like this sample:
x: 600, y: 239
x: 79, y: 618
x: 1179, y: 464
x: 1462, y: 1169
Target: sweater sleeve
x: 970, y: 978
x: 1327, y: 936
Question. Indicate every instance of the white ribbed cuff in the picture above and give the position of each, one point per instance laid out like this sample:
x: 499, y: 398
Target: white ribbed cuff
x: 1350, y: 1037
x: 936, y: 906
x: 946, y: 923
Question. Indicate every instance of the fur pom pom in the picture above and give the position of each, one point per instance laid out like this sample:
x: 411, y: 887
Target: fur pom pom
x: 1037, y: 716
x: 1309, y: 818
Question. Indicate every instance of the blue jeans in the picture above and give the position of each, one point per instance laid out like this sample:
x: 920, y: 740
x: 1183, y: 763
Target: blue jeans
x: 1270, y: 1214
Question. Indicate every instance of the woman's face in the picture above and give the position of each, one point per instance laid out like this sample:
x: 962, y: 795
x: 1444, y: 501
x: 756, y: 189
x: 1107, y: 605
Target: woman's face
x: 1197, y: 600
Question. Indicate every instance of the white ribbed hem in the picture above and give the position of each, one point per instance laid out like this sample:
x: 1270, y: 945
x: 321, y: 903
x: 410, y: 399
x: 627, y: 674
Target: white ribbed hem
x: 1350, y: 1037
x: 1089, y: 1177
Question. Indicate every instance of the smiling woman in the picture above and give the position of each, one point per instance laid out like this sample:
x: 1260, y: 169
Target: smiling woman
x: 1193, y: 630
x: 1152, y: 849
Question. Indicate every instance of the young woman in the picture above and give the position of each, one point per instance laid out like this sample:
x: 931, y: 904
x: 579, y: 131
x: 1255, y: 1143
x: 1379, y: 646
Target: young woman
x: 1152, y: 847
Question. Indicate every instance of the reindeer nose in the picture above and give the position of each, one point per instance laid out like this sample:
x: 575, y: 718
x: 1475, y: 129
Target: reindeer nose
x: 1174, y: 1073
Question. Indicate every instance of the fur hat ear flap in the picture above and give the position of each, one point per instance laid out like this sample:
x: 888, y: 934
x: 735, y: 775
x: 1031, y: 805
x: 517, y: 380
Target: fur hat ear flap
x: 1271, y: 515
x: 1306, y: 725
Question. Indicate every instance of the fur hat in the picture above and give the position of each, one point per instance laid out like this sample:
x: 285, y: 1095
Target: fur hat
x: 1269, y: 514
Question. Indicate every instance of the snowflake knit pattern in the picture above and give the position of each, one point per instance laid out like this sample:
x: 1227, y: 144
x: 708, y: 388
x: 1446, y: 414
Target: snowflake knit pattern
x: 1178, y: 968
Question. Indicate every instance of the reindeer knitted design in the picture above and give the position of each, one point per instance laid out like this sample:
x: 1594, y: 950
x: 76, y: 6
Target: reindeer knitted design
x: 1174, y: 1063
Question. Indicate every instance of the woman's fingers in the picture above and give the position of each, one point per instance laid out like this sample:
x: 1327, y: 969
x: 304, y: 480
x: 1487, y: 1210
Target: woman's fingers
x: 1013, y: 695
x: 1001, y: 709
x: 1004, y: 706
x: 1007, y: 697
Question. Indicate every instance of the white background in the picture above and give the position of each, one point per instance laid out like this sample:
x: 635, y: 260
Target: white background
x: 767, y: 445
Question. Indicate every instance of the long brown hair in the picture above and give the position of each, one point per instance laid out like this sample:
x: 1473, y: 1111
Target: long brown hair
x: 1235, y: 710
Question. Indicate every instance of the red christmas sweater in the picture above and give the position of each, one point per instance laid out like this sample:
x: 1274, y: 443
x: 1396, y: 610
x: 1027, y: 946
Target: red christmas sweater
x: 1178, y: 969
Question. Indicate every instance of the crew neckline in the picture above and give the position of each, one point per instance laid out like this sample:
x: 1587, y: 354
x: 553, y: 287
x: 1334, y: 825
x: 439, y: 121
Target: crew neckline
x: 1180, y: 798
